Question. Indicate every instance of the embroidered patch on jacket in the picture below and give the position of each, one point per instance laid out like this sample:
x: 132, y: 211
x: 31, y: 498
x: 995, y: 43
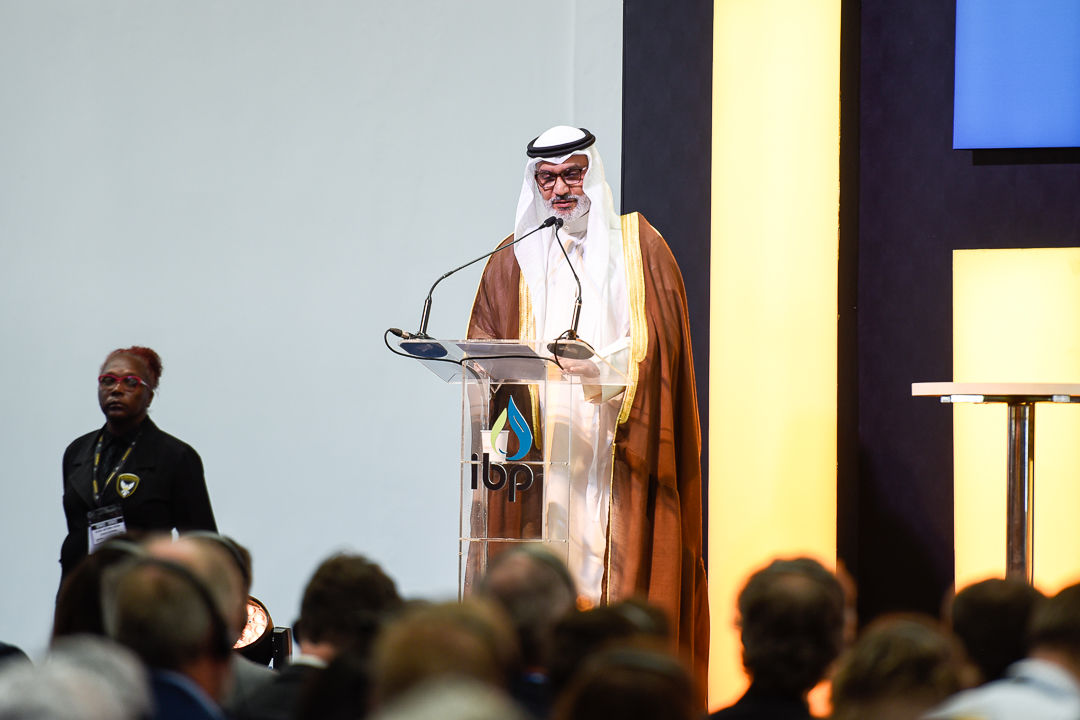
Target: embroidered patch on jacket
x: 126, y: 484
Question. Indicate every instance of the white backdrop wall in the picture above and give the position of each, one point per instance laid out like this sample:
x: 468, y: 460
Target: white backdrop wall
x: 257, y: 189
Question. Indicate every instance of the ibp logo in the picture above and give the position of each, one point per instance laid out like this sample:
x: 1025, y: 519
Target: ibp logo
x: 507, y: 475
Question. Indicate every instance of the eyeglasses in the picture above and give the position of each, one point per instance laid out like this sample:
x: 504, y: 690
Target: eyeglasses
x: 108, y: 381
x: 571, y: 176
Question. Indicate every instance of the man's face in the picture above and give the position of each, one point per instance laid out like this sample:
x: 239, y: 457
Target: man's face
x: 563, y: 200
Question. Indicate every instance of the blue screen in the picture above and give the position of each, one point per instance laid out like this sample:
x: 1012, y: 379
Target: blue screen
x: 1017, y: 74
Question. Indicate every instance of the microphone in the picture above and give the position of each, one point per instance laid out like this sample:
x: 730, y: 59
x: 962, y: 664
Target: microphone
x: 421, y: 334
x: 574, y: 352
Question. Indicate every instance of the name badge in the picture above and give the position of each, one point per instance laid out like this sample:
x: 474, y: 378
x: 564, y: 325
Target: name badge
x: 104, y: 523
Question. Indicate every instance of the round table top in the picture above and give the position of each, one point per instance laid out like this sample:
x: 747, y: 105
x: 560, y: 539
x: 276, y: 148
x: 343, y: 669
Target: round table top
x: 1004, y: 391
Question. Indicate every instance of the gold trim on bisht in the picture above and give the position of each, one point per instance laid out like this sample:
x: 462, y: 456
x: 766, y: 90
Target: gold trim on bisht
x: 639, y: 347
x: 635, y: 293
x: 527, y: 333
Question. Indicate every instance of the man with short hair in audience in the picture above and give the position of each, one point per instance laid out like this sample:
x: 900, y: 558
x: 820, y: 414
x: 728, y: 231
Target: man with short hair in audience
x: 792, y: 623
x: 991, y: 619
x: 344, y: 605
x: 1046, y: 685
x: 536, y: 590
x: 429, y: 643
x: 249, y: 678
x: 178, y: 612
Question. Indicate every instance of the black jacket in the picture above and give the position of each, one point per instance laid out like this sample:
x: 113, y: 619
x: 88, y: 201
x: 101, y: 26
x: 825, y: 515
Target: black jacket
x: 758, y: 704
x: 170, y: 493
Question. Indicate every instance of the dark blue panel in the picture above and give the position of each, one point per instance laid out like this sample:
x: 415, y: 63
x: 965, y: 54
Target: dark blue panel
x: 667, y: 153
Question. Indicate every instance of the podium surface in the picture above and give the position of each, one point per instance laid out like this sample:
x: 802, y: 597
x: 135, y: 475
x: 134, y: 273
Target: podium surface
x: 1020, y: 486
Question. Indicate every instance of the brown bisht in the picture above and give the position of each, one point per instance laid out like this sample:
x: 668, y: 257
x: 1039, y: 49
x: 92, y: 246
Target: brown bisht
x: 654, y: 526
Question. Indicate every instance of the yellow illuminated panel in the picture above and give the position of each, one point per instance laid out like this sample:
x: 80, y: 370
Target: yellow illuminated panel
x: 1016, y: 318
x: 775, y: 190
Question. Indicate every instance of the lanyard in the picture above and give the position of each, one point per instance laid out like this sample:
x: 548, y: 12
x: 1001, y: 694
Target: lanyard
x: 118, y: 468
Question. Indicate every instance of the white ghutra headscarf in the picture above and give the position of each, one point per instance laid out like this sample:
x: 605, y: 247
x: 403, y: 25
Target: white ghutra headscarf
x: 604, y: 308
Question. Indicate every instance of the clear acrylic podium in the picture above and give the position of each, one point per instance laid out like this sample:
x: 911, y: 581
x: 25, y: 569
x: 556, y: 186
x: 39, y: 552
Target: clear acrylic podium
x: 518, y: 448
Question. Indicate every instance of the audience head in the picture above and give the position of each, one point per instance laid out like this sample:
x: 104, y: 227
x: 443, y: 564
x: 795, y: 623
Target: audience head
x: 78, y: 605
x: 473, y: 639
x: 632, y: 683
x: 343, y: 606
x: 579, y: 635
x: 901, y: 667
x: 177, y: 610
x: 239, y: 554
x: 1055, y: 629
x: 82, y: 678
x: 991, y: 619
x: 536, y: 590
x: 646, y: 620
x: 791, y: 617
x: 451, y: 698
x: 209, y: 557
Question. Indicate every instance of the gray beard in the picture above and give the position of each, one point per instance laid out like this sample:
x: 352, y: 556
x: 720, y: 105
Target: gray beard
x: 580, y: 208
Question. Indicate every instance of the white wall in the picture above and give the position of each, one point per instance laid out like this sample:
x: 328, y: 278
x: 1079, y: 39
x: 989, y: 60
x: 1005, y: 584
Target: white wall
x: 257, y: 189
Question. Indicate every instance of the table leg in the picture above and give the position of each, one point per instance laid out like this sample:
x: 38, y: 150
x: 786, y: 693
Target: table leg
x: 1021, y: 492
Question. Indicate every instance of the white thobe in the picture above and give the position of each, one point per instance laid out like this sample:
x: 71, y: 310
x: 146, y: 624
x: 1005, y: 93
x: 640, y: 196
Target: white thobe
x: 589, y: 427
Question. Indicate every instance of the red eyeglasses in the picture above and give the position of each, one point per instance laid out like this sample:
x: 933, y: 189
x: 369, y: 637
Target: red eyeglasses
x: 108, y: 381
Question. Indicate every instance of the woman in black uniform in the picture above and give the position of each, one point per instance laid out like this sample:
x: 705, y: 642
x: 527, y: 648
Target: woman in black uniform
x: 129, y: 475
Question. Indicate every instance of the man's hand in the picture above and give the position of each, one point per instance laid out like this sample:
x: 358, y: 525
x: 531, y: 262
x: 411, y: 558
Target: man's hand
x: 581, y: 368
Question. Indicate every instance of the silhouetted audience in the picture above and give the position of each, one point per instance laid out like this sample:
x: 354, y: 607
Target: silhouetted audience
x: 898, y: 669
x: 1045, y: 685
x: 791, y: 621
x: 991, y: 619
x: 519, y: 648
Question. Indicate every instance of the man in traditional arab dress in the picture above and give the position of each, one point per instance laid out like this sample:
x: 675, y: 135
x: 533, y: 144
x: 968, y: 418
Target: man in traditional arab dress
x: 635, y: 487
